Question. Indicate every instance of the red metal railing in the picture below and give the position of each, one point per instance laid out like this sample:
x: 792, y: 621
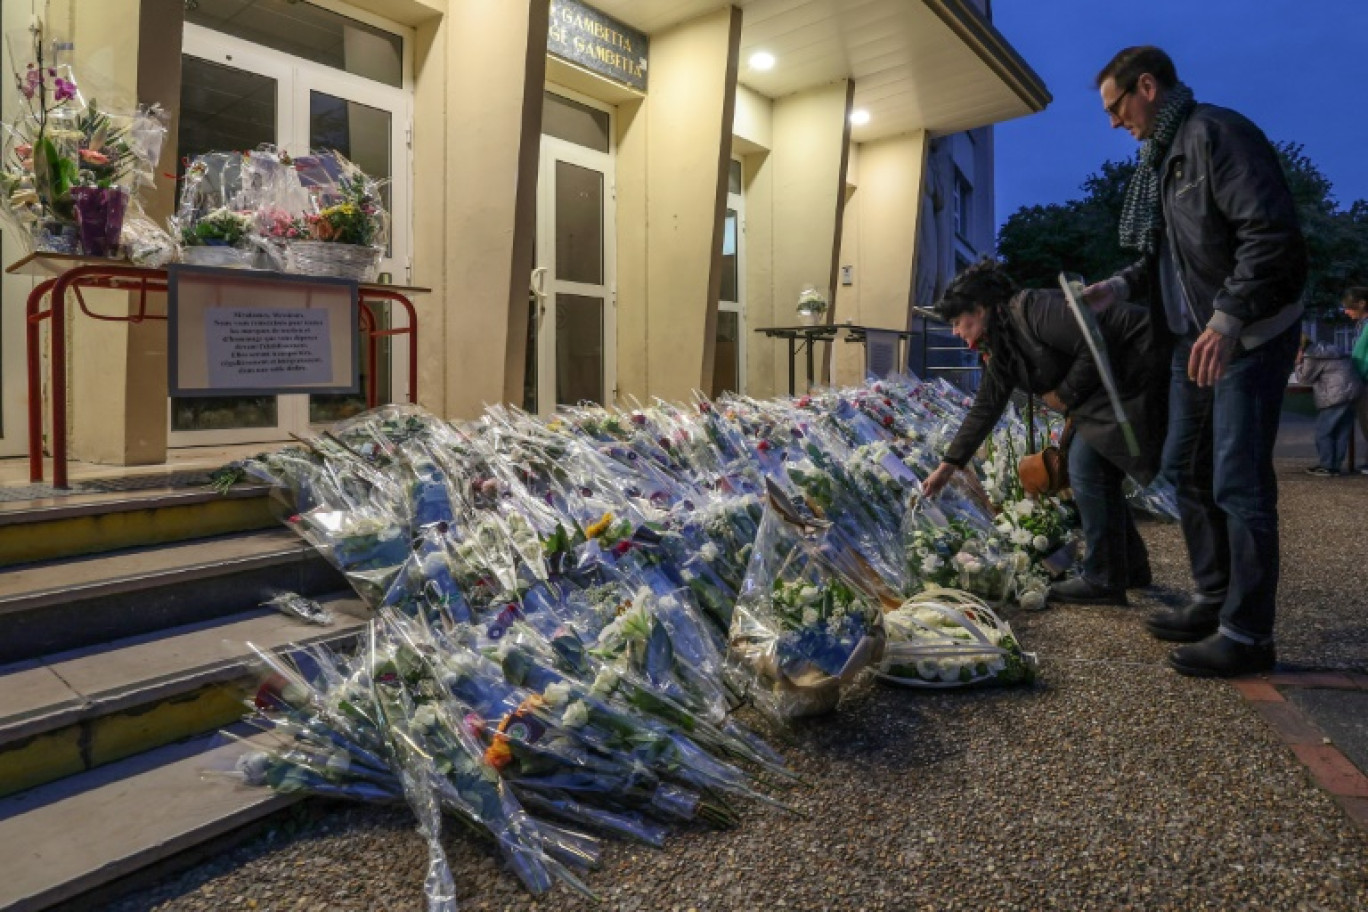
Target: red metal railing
x: 124, y: 277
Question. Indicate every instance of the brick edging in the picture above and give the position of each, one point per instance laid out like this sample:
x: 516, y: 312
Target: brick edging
x: 1328, y: 766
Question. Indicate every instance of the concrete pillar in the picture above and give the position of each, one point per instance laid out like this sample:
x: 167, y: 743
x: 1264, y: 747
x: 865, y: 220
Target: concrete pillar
x: 675, y: 146
x: 126, y: 51
x: 880, y: 242
x: 493, y: 80
x: 811, y: 135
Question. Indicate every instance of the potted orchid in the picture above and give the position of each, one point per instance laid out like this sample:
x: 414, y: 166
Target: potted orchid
x: 812, y: 304
x: 40, y: 152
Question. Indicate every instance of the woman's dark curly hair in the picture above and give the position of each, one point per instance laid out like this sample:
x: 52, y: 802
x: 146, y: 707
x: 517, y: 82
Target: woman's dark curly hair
x: 985, y: 283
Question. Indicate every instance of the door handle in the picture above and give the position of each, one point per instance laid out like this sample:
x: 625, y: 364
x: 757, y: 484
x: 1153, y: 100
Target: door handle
x: 538, y: 286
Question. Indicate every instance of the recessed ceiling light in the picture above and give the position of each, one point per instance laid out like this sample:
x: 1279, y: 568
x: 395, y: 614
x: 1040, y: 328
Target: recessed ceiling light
x: 762, y: 60
x: 859, y: 117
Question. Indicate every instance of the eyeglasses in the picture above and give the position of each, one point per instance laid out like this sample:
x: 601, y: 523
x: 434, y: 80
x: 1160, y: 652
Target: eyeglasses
x: 1115, y: 106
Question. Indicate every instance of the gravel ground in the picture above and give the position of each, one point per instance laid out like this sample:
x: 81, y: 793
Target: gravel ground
x: 1111, y: 784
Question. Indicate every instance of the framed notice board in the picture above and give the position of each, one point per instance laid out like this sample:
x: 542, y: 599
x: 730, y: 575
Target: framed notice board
x: 234, y: 332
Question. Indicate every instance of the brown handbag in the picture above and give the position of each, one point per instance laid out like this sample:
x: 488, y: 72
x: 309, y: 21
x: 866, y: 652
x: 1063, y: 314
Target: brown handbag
x: 1046, y: 472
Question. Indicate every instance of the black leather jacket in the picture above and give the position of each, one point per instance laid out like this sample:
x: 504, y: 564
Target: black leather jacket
x: 1040, y: 349
x: 1232, y: 226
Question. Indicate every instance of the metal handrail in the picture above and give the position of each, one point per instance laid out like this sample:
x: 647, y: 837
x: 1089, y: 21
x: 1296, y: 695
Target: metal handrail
x: 126, y: 277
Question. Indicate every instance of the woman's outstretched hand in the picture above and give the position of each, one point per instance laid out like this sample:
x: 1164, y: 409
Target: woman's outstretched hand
x: 938, y: 479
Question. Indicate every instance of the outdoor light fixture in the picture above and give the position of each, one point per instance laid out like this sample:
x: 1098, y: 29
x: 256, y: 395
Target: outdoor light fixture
x: 762, y: 60
x: 859, y: 117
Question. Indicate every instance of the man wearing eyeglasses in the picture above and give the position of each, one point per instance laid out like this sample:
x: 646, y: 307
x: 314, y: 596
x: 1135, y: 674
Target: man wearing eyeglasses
x: 1222, y: 263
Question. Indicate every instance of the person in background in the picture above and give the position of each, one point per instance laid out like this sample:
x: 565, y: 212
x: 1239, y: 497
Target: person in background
x: 1223, y: 264
x: 1030, y: 341
x: 1355, y: 304
x: 1336, y: 387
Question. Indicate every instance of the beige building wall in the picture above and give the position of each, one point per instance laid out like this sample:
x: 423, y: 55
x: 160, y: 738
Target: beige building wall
x: 811, y: 139
x: 879, y: 242
x: 673, y: 151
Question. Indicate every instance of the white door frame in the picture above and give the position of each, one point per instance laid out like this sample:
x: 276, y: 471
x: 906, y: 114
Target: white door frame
x: 295, y: 78
x: 546, y: 283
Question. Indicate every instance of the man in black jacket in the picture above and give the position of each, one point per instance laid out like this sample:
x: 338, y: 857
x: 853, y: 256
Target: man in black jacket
x: 1222, y: 264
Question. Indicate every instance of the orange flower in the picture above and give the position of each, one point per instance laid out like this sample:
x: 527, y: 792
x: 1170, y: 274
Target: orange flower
x: 499, y: 754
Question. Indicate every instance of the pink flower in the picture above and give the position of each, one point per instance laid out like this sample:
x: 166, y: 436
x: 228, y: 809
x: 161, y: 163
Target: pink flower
x: 65, y: 89
x: 23, y: 150
x: 94, y: 157
x: 31, y: 81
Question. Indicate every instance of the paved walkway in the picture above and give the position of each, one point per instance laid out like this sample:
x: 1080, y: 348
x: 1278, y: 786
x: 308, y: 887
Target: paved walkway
x: 1114, y: 783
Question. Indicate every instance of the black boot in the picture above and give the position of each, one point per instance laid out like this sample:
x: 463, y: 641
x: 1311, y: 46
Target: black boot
x: 1138, y: 577
x: 1194, y: 621
x: 1218, y: 656
x: 1080, y: 590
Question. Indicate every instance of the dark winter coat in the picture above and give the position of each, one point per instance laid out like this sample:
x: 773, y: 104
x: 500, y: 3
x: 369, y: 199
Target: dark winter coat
x: 1040, y: 348
x: 1232, y: 225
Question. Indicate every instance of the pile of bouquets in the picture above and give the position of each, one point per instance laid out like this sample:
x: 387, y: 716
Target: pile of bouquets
x: 570, y: 611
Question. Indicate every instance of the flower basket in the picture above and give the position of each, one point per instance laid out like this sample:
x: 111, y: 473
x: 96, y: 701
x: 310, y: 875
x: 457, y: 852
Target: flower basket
x: 809, y: 317
x: 214, y: 255
x: 324, y: 258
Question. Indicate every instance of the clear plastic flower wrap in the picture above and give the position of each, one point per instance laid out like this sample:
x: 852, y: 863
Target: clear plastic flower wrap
x: 68, y: 163
x: 346, y: 228
x: 802, y: 629
x: 949, y: 638
x: 302, y: 607
x: 213, y: 220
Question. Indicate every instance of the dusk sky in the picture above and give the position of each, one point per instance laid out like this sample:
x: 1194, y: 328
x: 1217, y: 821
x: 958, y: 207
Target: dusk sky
x: 1294, y: 67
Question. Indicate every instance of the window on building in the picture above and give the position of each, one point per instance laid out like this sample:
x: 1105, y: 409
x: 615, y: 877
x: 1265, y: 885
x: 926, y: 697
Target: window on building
x: 963, y: 195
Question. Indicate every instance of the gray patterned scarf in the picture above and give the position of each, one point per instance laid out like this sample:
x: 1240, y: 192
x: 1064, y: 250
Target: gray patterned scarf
x: 1142, y: 214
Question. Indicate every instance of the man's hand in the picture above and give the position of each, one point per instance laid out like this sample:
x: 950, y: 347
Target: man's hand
x: 938, y: 479
x: 1053, y: 401
x: 1210, y: 357
x: 1099, y: 296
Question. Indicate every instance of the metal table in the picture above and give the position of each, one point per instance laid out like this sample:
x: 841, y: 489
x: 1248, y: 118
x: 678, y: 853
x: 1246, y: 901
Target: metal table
x: 805, y: 338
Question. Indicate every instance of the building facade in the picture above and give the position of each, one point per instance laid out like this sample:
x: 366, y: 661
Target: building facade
x: 605, y: 202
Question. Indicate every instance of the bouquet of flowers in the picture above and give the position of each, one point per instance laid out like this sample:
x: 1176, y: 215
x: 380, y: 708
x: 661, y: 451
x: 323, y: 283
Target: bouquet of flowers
x: 949, y: 638
x: 802, y: 630
x: 68, y: 168
x: 347, y: 227
x: 213, y: 223
x: 811, y: 302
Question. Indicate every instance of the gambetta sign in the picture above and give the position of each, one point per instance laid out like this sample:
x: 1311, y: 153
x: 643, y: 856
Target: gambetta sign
x: 584, y: 36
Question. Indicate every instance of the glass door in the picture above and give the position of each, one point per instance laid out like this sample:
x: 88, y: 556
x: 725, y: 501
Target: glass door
x: 572, y: 331
x: 237, y: 95
x: 729, y: 344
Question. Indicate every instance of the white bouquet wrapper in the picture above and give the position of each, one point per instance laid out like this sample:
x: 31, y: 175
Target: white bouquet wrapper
x: 949, y: 638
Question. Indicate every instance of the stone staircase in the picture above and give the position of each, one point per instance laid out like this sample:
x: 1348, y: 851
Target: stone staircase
x: 124, y: 623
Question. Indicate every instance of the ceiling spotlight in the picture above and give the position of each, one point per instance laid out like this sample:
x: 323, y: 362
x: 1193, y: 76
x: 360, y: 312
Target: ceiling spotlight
x: 859, y: 117
x: 762, y: 60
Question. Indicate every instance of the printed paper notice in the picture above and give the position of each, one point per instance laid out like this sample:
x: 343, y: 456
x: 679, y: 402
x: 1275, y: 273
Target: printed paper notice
x: 251, y: 348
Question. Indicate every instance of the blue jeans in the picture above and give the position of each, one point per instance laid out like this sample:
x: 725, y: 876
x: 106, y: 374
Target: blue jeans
x: 1334, y: 427
x: 1113, y: 546
x: 1219, y: 456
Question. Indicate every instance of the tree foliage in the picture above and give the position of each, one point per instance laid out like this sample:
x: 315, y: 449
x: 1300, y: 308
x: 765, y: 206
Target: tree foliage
x: 1038, y: 242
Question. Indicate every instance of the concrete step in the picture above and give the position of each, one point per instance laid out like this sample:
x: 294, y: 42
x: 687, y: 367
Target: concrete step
x: 66, y: 604
x: 67, y: 838
x: 79, y: 710
x: 51, y: 528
